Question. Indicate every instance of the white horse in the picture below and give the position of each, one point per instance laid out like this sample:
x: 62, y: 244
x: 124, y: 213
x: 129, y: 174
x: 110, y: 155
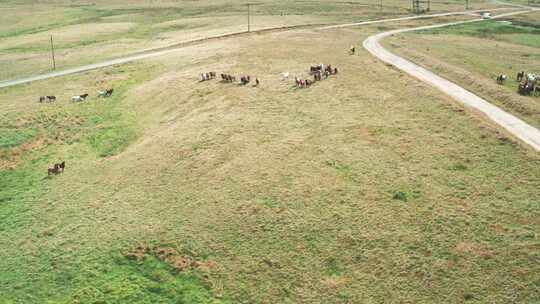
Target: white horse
x: 79, y: 98
x: 285, y: 76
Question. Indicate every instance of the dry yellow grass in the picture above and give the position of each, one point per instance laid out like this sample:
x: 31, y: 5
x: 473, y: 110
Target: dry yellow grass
x: 23, y: 38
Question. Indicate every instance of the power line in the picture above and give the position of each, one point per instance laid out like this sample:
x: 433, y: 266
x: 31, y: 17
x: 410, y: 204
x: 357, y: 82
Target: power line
x: 52, y: 54
x: 249, y: 17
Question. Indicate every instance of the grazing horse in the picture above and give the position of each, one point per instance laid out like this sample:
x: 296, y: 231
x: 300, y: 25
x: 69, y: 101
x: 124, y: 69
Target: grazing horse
x: 536, y: 90
x: 61, y: 166
x: 106, y: 93
x: 525, y: 88
x: 315, y: 69
x: 352, y: 50
x: 335, y: 70
x: 57, y: 168
x: 257, y: 82
x: 520, y: 75
x: 317, y: 76
x: 79, y: 98
x: 285, y: 76
x: 245, y: 80
x: 51, y: 98
x: 53, y: 170
x: 501, y: 78
x: 212, y: 75
x: 42, y: 99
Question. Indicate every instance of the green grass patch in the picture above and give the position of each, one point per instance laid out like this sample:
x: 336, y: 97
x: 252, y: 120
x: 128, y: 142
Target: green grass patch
x: 12, y: 137
x: 522, y: 33
x: 148, y: 281
x: 112, y: 139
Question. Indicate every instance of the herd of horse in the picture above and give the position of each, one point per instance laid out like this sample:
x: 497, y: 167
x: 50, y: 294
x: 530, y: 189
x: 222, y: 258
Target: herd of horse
x: 318, y: 72
x: 60, y: 167
x: 77, y: 98
x: 228, y: 78
x: 528, y: 83
x: 207, y: 76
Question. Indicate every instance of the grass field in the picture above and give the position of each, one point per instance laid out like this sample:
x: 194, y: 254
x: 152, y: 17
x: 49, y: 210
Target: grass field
x: 86, y: 32
x: 474, y: 55
x: 368, y: 187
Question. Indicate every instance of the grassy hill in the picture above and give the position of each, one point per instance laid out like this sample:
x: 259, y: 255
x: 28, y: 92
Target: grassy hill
x: 367, y: 187
x: 90, y: 31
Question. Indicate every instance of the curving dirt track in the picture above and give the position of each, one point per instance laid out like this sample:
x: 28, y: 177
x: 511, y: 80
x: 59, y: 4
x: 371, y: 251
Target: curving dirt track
x: 512, y: 124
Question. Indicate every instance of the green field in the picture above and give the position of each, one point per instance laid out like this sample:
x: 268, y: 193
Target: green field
x: 87, y: 32
x: 473, y: 55
x: 368, y: 187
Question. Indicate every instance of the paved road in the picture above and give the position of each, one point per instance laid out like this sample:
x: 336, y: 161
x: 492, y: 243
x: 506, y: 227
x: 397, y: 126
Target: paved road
x: 512, y: 124
x: 169, y: 49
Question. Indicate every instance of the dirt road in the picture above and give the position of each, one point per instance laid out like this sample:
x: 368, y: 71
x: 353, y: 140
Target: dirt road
x: 512, y: 124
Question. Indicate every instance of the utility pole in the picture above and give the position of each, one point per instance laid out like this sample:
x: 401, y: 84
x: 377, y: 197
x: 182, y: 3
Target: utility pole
x: 380, y: 5
x: 466, y: 4
x: 249, y: 17
x: 52, y: 53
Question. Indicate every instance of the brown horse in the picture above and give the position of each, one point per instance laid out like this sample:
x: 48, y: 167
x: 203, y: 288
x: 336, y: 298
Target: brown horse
x: 520, y: 75
x: 61, y: 166
x: 56, y: 169
x: 53, y: 170
x: 525, y: 88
